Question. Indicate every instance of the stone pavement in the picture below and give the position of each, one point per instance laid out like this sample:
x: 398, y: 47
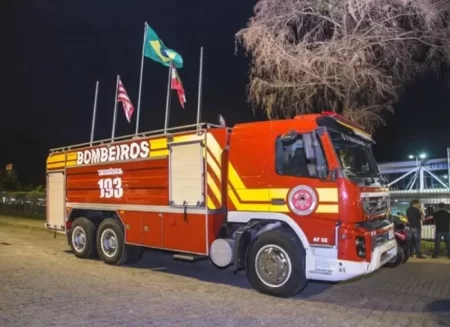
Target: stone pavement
x: 43, y: 284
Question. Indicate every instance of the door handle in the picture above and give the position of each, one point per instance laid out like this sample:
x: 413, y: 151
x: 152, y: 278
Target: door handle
x: 277, y: 201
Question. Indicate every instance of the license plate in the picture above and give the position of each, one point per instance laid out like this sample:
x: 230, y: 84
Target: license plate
x: 391, y: 234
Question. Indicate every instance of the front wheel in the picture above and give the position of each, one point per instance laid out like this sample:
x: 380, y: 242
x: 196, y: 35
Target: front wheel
x: 398, y: 259
x: 275, y: 264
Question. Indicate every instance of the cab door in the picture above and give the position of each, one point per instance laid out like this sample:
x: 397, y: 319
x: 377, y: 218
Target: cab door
x: 300, y: 187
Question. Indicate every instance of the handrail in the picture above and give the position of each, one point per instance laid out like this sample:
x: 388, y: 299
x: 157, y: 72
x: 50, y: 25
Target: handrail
x: 152, y: 134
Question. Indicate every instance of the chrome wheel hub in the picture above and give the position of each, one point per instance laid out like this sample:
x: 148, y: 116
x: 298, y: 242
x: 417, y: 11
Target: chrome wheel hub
x: 78, y: 239
x: 273, y: 265
x: 109, y: 242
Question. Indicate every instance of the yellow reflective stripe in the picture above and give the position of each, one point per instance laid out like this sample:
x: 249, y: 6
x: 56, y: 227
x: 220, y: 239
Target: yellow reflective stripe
x: 56, y: 158
x: 72, y: 156
x: 55, y: 165
x: 327, y: 194
x: 61, y: 157
x: 62, y: 164
x: 213, y: 146
x: 186, y: 138
x: 247, y: 206
x: 264, y: 195
x: 71, y: 163
x: 327, y: 208
x: 214, y: 166
x: 216, y: 191
x: 158, y: 153
x: 210, y: 181
x: 211, y: 204
x: 158, y: 144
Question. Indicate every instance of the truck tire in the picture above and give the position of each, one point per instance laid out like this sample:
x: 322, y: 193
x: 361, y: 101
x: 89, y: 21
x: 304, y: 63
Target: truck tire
x: 111, y: 245
x: 398, y: 259
x: 275, y: 264
x: 82, y: 238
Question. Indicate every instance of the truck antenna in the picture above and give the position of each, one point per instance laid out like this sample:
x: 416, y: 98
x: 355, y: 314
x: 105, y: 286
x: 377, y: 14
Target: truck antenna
x: 200, y: 85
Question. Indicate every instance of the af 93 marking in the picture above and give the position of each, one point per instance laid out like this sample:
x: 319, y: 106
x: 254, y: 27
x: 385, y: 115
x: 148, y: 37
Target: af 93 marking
x: 320, y: 240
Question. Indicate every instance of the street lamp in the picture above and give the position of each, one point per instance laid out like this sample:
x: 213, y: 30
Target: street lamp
x: 419, y: 172
x: 417, y: 157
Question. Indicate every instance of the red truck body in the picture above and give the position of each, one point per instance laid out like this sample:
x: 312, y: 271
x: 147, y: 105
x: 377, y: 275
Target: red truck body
x: 213, y: 191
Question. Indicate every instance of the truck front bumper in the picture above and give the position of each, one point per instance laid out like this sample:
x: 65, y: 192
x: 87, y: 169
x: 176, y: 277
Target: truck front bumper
x: 380, y: 256
x: 333, y: 270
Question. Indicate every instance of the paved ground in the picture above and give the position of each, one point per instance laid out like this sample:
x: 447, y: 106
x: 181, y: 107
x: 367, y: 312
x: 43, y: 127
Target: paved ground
x: 43, y: 284
x: 23, y: 222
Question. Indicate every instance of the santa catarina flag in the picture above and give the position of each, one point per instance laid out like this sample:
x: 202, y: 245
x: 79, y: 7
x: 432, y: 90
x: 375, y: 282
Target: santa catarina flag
x: 178, y: 86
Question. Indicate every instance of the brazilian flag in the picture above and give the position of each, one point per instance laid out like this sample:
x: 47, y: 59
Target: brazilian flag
x: 157, y: 51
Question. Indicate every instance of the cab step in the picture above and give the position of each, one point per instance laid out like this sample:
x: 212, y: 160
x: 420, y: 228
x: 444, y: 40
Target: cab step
x: 189, y: 257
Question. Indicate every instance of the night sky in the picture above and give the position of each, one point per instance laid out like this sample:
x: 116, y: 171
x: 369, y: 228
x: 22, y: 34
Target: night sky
x: 53, y: 52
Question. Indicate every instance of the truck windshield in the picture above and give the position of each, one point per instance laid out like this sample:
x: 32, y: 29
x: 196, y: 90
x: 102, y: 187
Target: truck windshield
x: 355, y: 155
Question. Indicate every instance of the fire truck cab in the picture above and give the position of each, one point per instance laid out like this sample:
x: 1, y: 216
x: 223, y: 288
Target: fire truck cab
x: 284, y: 200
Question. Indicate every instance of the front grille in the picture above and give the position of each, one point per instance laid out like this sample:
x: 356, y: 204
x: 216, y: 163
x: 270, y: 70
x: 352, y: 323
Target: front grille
x: 380, y: 239
x: 375, y: 204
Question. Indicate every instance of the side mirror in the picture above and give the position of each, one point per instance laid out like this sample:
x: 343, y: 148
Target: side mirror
x: 333, y: 174
x: 309, y: 147
x: 289, y: 138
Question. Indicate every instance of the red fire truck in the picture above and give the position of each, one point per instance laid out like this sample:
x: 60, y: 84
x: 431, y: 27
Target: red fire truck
x: 286, y: 200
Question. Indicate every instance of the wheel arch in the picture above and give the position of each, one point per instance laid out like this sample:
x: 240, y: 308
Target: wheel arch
x: 258, y: 221
x: 94, y: 215
x: 246, y: 217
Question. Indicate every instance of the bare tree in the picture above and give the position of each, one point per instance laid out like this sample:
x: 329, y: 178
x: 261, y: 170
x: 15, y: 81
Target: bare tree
x: 349, y: 56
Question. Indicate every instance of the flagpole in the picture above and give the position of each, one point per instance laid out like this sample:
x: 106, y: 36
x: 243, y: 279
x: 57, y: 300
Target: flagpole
x: 169, y: 79
x: 200, y: 85
x: 138, y: 110
x: 94, y: 113
x: 115, y: 110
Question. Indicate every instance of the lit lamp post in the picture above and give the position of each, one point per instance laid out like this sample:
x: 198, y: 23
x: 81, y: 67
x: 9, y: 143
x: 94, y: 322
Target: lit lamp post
x: 421, y: 156
x: 417, y: 157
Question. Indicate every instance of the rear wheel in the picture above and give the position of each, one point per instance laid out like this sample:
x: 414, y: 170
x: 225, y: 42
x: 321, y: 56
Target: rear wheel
x: 82, y: 238
x: 275, y: 264
x: 111, y: 243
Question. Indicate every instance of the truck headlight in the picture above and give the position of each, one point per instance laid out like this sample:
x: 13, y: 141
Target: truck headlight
x: 361, y: 247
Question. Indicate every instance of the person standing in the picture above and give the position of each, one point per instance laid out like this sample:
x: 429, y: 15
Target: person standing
x: 442, y: 229
x: 415, y: 218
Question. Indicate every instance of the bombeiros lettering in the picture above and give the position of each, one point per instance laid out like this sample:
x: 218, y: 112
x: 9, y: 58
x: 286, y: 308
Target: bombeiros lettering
x: 118, y: 152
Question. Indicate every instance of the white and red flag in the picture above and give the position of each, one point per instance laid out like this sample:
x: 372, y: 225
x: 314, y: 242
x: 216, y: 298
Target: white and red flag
x: 122, y: 96
x: 177, y: 85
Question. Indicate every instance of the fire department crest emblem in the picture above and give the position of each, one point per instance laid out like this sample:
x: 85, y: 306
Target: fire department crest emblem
x: 302, y: 200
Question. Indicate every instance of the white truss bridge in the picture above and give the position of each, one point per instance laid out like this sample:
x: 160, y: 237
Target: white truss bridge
x: 419, y: 178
